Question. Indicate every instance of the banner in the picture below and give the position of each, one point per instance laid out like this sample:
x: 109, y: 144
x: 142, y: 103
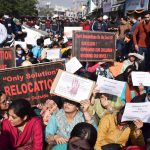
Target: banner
x: 31, y: 82
x: 136, y: 5
x: 94, y: 46
x: 7, y: 58
x: 110, y: 86
x: 72, y: 87
x: 135, y: 111
x: 107, y: 5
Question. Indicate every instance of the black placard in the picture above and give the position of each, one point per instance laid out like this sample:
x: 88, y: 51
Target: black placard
x: 32, y: 82
x: 7, y: 58
x: 94, y: 46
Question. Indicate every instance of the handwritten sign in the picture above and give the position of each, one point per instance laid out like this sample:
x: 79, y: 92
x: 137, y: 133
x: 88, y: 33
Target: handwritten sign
x: 140, y: 78
x: 94, y: 46
x: 135, y: 111
x: 110, y: 86
x: 30, y: 82
x: 72, y: 87
x: 53, y: 54
x: 7, y: 58
x: 73, y: 65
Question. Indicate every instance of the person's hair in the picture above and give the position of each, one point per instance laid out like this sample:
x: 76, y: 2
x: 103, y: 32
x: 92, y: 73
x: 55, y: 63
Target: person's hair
x: 119, y: 115
x: 1, y: 93
x: 66, y: 54
x: 55, y: 44
x: 146, y: 13
x: 1, y: 15
x: 29, y: 46
x: 22, y: 108
x: 40, y: 41
x: 71, y: 102
x: 18, y: 46
x: 44, y: 60
x: 134, y: 16
x: 57, y: 100
x: 33, y: 60
x: 30, y: 54
x: 85, y: 131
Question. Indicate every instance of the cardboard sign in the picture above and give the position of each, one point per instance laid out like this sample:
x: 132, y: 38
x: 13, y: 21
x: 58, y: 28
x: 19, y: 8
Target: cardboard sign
x: 68, y: 31
x: 110, y: 86
x: 94, y: 46
x: 7, y: 58
x: 135, y: 111
x: 72, y: 87
x: 140, y: 78
x: 31, y: 82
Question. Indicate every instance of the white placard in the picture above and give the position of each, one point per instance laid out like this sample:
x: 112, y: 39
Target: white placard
x: 135, y: 111
x: 47, y: 42
x: 22, y: 44
x: 68, y: 31
x: 140, y: 78
x: 72, y: 86
x: 73, y: 65
x: 53, y: 54
x: 110, y: 86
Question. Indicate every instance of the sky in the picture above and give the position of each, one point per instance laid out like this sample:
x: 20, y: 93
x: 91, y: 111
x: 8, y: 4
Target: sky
x: 65, y: 3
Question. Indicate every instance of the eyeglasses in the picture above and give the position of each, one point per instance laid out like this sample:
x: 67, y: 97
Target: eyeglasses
x: 7, y: 100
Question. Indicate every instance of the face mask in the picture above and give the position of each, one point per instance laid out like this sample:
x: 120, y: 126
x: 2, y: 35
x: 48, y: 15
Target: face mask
x: 19, y: 52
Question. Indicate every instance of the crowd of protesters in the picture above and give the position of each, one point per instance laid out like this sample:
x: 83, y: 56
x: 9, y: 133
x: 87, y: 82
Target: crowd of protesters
x: 91, y: 124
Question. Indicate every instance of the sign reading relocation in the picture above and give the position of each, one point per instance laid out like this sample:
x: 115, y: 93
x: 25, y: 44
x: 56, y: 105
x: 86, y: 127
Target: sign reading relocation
x: 94, y: 46
x: 31, y: 82
x: 7, y: 58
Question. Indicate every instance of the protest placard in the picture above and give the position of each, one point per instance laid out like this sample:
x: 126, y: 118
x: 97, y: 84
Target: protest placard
x: 135, y: 111
x: 139, y: 78
x: 53, y: 54
x: 7, y: 58
x: 30, y: 82
x: 73, y: 65
x: 68, y: 31
x: 72, y: 87
x: 94, y: 46
x: 110, y: 86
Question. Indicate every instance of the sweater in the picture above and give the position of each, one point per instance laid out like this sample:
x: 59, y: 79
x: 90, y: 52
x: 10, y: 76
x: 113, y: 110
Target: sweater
x: 143, y: 33
x: 108, y: 133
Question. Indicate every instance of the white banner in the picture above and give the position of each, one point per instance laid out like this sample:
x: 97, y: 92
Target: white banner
x: 140, y: 78
x: 110, y: 86
x: 135, y: 111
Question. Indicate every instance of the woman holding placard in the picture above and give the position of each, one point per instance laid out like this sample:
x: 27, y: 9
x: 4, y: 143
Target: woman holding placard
x: 61, y: 124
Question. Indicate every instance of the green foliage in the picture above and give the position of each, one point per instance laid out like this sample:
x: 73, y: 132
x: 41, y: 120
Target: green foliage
x: 18, y: 7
